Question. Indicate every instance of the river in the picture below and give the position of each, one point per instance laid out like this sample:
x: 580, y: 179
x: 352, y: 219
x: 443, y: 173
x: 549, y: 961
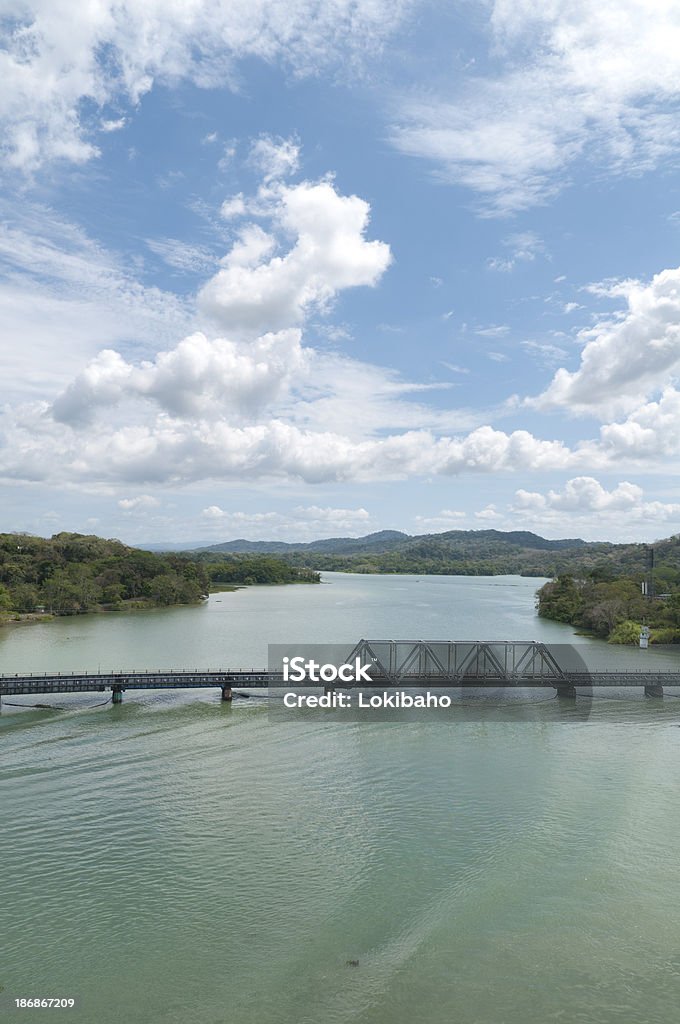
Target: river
x: 179, y: 860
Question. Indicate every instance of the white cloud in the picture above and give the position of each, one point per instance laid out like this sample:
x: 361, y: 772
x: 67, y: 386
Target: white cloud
x: 275, y: 158
x: 569, y: 79
x: 524, y: 248
x: 447, y: 519
x: 583, y: 500
x: 493, y: 331
x: 302, y: 523
x: 650, y: 432
x: 544, y: 352
x: 113, y: 126
x: 57, y: 61
x: 625, y: 358
x: 489, y: 514
x: 195, y: 442
x: 235, y: 206
x: 184, y: 256
x: 582, y: 494
x: 65, y: 297
x: 253, y: 293
x: 198, y: 378
x: 213, y: 512
x: 142, y: 501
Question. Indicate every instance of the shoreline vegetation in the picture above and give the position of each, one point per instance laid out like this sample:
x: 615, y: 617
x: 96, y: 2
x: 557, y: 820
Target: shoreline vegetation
x: 595, y: 587
x: 613, y: 610
x: 71, y: 574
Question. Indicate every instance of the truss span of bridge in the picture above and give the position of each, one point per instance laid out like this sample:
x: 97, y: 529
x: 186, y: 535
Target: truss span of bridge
x: 393, y: 663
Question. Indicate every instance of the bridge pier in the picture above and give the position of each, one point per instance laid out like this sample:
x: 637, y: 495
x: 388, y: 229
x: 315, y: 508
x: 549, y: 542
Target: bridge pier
x: 653, y: 690
x: 566, y: 692
x: 226, y: 693
x: 116, y: 694
x: 327, y: 690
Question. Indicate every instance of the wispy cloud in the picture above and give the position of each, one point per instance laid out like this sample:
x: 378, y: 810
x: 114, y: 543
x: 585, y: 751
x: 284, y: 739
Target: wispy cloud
x: 523, y: 247
x: 56, y: 70
x: 567, y: 81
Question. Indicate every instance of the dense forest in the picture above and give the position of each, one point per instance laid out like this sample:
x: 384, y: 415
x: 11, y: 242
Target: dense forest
x: 247, y: 569
x: 456, y: 552
x: 472, y: 555
x: 71, y: 573
x: 611, y: 605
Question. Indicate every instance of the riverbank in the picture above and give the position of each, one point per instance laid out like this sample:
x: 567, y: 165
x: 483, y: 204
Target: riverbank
x: 612, y: 610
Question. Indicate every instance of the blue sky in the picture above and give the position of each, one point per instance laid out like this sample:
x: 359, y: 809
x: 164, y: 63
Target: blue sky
x: 293, y: 270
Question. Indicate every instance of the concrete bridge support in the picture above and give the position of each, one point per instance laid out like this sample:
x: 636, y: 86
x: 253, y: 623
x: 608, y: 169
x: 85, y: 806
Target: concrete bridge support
x: 226, y: 693
x: 116, y: 694
x: 653, y: 690
x: 566, y: 692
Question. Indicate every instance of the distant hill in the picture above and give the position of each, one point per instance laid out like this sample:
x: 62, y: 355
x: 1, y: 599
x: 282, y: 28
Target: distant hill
x: 391, y: 540
x: 455, y: 552
x: 384, y: 540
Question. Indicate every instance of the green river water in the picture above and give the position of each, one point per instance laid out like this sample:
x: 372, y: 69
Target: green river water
x: 175, y: 860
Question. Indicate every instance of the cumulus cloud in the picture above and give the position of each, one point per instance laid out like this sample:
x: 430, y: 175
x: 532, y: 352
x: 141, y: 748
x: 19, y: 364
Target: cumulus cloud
x: 567, y: 79
x: 256, y: 291
x: 582, y: 494
x: 200, y: 377
x: 57, y: 64
x: 489, y: 514
x: 650, y: 432
x: 584, y: 499
x: 141, y: 501
x: 625, y: 358
x: 168, y: 449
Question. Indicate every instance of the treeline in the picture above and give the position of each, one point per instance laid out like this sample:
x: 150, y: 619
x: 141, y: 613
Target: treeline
x: 615, y: 609
x: 445, y: 562
x: 71, y: 573
x: 246, y: 570
x: 494, y: 553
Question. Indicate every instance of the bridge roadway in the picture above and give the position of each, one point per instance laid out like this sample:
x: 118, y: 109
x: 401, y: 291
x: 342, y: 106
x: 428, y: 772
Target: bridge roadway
x: 392, y: 663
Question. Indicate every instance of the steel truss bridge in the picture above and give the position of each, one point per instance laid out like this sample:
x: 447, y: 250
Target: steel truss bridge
x: 393, y: 663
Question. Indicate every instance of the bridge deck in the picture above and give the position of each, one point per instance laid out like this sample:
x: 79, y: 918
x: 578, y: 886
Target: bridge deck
x: 392, y: 663
x: 78, y: 683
